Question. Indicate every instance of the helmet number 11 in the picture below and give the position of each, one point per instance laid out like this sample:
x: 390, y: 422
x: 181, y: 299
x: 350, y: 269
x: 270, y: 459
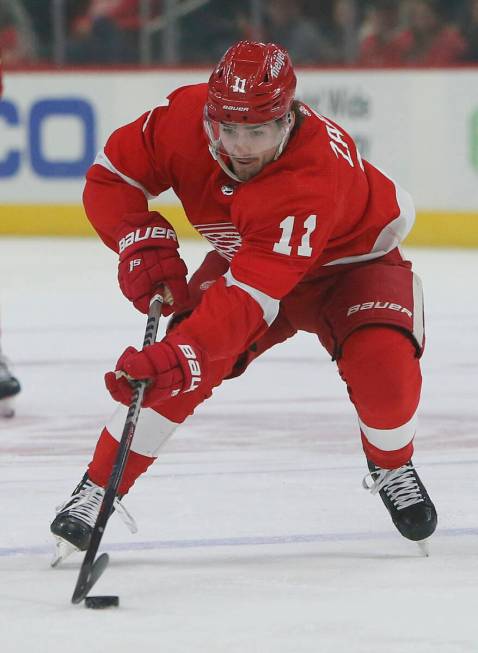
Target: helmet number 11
x: 287, y: 225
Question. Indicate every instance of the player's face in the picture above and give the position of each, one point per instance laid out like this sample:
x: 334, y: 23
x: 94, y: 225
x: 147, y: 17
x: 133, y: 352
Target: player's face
x: 250, y: 147
x: 246, y: 148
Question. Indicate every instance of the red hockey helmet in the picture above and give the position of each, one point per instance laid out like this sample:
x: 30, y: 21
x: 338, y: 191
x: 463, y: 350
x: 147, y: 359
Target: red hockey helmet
x: 247, y: 116
x: 253, y: 83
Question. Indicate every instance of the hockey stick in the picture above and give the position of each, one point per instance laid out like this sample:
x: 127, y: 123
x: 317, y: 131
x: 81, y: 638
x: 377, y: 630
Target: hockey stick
x: 92, y: 569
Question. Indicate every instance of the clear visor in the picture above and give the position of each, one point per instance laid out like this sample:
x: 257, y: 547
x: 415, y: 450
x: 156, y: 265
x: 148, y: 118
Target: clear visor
x: 245, y: 142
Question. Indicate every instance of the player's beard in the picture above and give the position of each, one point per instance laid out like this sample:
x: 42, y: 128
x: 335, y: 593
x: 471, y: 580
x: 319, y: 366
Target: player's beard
x: 246, y: 168
x: 246, y: 171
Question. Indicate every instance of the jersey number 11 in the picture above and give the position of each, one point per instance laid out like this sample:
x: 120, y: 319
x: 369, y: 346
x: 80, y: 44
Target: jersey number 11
x: 287, y: 225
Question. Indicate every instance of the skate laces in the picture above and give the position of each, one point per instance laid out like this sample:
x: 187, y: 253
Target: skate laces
x: 85, y: 505
x: 400, y: 485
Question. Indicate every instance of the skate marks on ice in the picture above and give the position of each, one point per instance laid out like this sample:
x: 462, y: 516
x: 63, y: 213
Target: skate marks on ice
x: 376, y: 552
x: 289, y: 598
x: 31, y: 435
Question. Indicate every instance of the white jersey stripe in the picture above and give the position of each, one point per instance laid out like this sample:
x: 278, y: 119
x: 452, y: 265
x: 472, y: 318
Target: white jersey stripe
x: 391, y: 235
x: 391, y: 439
x: 211, y: 225
x: 102, y: 160
x: 418, y: 319
x: 226, y: 229
x: 147, y: 120
x: 269, y: 305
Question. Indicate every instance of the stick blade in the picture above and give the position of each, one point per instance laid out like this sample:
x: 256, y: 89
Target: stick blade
x: 89, y: 574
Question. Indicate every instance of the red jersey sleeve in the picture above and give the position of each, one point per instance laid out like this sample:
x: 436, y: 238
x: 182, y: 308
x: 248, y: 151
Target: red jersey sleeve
x: 126, y: 174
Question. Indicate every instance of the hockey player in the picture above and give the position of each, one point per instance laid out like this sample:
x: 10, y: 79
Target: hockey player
x: 9, y: 386
x: 306, y: 237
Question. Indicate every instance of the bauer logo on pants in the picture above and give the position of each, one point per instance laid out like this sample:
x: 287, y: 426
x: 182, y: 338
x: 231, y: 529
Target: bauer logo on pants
x: 366, y: 306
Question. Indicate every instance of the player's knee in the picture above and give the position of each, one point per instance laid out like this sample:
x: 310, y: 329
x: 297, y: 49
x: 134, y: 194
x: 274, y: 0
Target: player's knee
x: 382, y: 372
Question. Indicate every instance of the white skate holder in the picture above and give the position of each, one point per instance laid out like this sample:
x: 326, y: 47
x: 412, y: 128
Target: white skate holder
x: 7, y: 408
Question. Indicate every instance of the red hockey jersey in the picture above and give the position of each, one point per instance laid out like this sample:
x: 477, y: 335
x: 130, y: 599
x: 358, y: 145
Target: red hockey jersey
x: 318, y: 205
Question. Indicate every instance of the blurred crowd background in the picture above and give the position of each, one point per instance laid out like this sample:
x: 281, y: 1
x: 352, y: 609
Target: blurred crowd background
x: 169, y: 32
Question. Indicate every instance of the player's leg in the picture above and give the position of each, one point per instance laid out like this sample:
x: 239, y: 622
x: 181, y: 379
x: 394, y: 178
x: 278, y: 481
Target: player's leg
x: 75, y: 518
x: 9, y: 387
x: 376, y: 317
x: 382, y: 373
x: 155, y: 427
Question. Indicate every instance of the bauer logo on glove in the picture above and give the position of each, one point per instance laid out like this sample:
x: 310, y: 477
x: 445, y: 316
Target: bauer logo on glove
x: 194, y: 366
x: 146, y: 233
x: 149, y: 259
x: 171, y: 366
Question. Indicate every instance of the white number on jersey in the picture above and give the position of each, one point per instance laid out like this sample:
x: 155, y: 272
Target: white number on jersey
x: 287, y: 225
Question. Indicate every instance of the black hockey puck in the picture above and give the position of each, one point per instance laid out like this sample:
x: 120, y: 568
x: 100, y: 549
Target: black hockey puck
x: 101, y: 602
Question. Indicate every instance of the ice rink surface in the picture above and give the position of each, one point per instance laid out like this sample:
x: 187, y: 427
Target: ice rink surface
x: 255, y: 535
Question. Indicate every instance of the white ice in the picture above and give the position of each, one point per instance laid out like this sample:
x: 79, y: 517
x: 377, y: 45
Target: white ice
x: 255, y: 534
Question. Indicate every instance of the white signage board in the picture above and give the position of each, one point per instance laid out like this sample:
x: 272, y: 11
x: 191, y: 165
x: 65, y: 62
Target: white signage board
x: 421, y: 127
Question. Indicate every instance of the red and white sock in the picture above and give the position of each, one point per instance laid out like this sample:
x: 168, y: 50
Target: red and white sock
x: 151, y: 433
x: 383, y: 377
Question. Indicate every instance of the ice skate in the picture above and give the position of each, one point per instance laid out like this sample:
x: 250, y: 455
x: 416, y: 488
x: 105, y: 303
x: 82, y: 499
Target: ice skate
x: 76, y: 517
x: 406, y: 499
x: 9, y: 387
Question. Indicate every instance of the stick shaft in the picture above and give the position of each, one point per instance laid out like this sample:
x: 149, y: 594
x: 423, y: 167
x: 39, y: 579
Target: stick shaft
x: 86, y: 578
x: 135, y: 406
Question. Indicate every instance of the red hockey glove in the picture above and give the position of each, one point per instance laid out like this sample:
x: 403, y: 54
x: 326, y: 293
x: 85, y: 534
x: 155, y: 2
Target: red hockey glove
x: 172, y: 366
x: 148, y: 251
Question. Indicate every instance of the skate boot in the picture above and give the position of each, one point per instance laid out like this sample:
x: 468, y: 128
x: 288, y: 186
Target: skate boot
x: 76, y: 518
x: 9, y: 387
x: 406, y: 499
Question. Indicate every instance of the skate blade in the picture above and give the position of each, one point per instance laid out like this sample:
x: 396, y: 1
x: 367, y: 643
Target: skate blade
x: 6, y: 408
x: 63, y: 550
x: 424, y: 547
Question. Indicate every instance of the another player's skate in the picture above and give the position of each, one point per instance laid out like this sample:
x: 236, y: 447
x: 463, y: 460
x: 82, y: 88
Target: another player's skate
x: 76, y: 517
x: 406, y: 499
x: 9, y: 387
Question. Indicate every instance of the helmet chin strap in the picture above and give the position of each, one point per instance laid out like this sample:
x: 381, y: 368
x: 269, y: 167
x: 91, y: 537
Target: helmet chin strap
x: 217, y: 157
x: 280, y: 148
x: 285, y: 138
